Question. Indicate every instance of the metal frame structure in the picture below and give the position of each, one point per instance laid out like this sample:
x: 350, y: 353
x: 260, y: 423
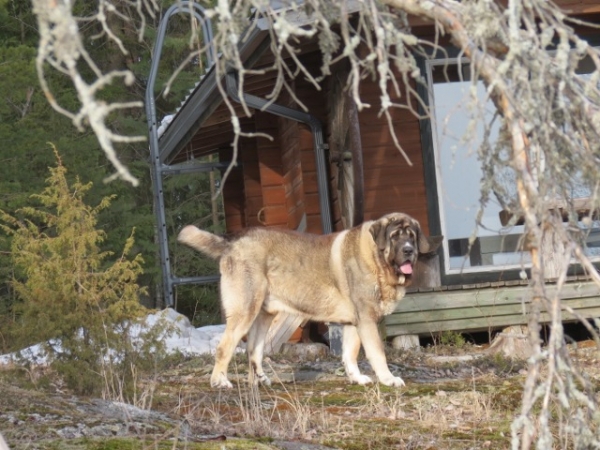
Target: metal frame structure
x: 197, y: 108
x: 159, y: 169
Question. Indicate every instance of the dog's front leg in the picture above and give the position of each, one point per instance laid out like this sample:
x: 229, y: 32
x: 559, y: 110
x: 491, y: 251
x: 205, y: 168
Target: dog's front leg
x: 350, y: 349
x: 369, y: 335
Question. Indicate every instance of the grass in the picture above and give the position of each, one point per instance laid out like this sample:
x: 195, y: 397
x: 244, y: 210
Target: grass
x: 362, y: 417
x: 473, y: 409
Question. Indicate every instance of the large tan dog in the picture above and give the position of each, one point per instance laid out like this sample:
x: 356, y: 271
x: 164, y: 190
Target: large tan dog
x: 353, y: 277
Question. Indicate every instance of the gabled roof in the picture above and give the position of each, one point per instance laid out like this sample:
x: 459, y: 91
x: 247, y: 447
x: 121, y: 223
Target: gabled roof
x: 205, y: 98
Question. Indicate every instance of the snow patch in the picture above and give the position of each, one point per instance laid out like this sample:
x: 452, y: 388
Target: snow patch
x: 186, y: 339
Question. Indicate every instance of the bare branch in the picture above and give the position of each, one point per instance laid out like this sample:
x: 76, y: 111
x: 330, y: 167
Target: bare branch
x: 61, y: 47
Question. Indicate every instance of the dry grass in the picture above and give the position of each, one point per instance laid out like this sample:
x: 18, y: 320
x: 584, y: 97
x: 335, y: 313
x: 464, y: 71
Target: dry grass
x: 280, y: 412
x: 449, y: 415
x: 470, y: 405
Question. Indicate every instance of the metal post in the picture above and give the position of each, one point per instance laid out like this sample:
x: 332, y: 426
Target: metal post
x: 157, y: 166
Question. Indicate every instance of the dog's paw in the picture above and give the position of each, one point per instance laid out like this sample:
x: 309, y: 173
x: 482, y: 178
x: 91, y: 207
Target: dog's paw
x: 361, y: 379
x: 260, y: 378
x: 264, y: 380
x: 392, y: 381
x: 220, y: 381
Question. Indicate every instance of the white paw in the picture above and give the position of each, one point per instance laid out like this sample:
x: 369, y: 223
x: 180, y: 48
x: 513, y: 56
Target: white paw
x: 361, y: 379
x: 220, y: 381
x: 392, y: 381
x: 262, y: 379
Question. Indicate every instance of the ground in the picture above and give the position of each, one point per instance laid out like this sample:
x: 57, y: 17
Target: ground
x: 454, y: 399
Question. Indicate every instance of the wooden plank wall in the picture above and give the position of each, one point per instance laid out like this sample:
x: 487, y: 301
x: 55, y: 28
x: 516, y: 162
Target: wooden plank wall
x: 268, y: 190
x: 293, y: 182
x: 269, y: 165
x: 234, y: 201
x: 251, y: 189
x: 316, y: 102
x: 391, y: 184
x: 280, y: 172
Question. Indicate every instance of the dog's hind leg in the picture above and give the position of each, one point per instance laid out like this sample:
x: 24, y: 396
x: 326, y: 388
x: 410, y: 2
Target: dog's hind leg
x: 241, y: 307
x: 350, y: 349
x: 256, y: 346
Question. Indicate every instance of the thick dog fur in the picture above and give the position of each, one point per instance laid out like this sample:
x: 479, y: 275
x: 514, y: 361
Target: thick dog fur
x: 353, y: 277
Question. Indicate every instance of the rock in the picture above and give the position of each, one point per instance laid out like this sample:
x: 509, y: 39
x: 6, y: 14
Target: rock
x: 405, y: 342
x: 512, y: 342
x: 309, y: 351
x: 445, y: 359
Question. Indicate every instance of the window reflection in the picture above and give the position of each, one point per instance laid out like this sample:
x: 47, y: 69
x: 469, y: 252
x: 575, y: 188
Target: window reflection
x: 458, y: 130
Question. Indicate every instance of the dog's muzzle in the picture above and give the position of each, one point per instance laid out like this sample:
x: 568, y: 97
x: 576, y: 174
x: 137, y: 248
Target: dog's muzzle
x: 405, y: 259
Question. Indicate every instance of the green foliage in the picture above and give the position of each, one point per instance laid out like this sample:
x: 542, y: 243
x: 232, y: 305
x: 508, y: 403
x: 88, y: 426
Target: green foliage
x: 188, y: 200
x: 17, y: 23
x: 28, y: 123
x: 74, y: 296
x: 199, y: 302
x: 452, y: 339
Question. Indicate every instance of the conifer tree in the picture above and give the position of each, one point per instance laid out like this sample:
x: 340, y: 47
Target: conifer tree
x: 73, y: 296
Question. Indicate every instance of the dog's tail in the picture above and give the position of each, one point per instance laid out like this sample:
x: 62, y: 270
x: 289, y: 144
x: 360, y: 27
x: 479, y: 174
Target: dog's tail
x: 203, y: 241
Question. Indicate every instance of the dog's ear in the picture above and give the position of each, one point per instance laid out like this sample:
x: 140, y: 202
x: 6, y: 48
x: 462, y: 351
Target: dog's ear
x: 379, y: 232
x: 428, y: 244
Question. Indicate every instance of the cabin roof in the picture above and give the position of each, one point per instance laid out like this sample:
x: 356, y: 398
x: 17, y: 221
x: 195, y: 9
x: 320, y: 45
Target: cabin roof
x: 204, y: 106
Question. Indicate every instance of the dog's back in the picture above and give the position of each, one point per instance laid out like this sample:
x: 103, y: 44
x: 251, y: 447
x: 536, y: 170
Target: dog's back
x: 270, y: 240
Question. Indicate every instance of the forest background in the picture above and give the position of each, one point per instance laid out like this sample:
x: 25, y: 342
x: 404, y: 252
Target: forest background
x: 29, y: 127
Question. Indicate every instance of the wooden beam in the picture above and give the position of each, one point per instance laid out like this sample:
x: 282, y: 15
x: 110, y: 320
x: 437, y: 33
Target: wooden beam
x: 478, y: 324
x: 469, y: 298
x: 482, y: 309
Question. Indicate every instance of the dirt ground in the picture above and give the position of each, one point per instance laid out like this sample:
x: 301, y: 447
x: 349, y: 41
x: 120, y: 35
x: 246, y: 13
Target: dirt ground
x: 453, y: 399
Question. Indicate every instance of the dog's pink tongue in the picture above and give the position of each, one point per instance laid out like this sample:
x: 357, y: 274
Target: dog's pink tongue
x: 406, y: 268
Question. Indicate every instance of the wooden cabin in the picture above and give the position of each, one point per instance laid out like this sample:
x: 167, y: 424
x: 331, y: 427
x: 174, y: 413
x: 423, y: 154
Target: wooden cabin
x: 359, y: 174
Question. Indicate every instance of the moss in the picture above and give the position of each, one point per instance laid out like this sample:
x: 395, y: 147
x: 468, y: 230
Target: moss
x: 508, y: 398
x: 381, y: 433
x: 336, y: 399
x: 500, y: 364
x: 417, y: 390
x: 111, y: 444
x: 141, y: 444
x: 499, y: 433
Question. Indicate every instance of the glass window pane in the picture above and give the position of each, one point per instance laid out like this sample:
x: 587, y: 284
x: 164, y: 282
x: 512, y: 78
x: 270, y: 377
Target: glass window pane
x: 460, y: 175
x: 458, y: 170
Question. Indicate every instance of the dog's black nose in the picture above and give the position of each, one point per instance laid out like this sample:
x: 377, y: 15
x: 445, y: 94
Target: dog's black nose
x: 408, y: 252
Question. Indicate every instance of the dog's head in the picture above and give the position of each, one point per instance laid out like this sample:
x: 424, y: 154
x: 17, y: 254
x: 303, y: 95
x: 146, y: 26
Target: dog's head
x: 400, y: 241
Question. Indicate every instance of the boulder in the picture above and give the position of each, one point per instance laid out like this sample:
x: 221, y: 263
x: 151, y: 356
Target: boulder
x: 405, y: 342
x: 512, y: 342
x: 305, y: 351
